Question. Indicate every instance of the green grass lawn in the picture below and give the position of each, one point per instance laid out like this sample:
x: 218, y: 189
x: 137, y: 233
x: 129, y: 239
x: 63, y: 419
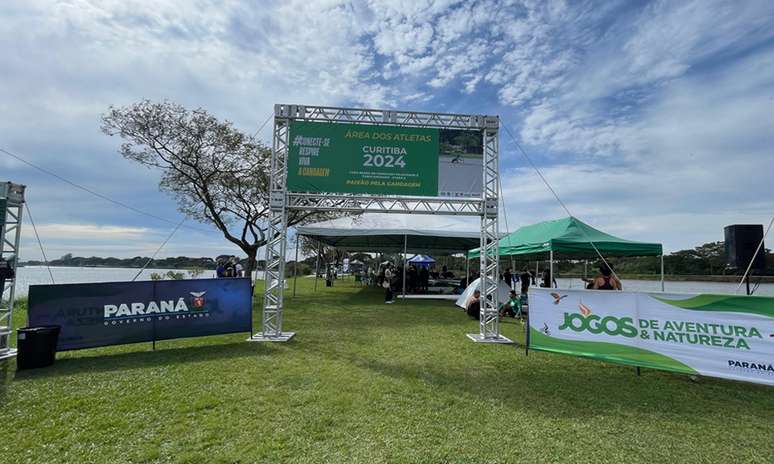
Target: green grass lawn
x: 367, y: 382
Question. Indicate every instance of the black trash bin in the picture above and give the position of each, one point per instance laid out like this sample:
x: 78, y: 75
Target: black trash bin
x: 37, y: 346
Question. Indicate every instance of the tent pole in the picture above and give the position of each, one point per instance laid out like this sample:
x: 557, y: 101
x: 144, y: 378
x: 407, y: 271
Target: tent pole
x: 317, y: 266
x: 662, y: 271
x: 537, y: 270
x: 467, y: 270
x: 405, y: 245
x: 295, y: 266
x: 551, y: 269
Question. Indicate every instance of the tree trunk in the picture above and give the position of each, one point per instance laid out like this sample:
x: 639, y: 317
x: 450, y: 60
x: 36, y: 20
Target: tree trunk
x: 251, y: 260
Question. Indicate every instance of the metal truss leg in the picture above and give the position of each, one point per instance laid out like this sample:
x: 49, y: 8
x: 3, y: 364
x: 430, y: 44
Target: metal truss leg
x: 10, y: 236
x: 489, y: 320
x: 275, y: 282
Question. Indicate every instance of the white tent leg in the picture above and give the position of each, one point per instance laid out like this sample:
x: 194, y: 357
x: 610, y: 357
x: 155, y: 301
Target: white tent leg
x: 405, y: 247
x: 317, y: 266
x: 467, y: 270
x: 537, y: 270
x: 295, y: 267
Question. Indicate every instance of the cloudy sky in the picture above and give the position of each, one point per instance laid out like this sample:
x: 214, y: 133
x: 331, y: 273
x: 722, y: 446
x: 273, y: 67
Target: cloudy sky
x: 652, y: 120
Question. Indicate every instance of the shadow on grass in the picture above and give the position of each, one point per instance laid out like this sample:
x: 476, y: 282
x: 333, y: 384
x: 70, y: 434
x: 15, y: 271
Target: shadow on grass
x: 135, y: 359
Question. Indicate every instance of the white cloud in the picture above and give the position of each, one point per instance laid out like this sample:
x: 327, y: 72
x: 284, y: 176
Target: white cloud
x: 656, y: 111
x: 91, y: 231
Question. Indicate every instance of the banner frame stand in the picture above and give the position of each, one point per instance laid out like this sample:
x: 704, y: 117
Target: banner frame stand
x: 281, y: 201
x: 526, y: 336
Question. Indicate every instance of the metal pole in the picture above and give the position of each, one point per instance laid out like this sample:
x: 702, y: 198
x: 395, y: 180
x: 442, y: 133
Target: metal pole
x: 317, y: 266
x: 662, y: 271
x: 551, y: 269
x: 295, y: 266
x: 405, y: 246
x: 467, y: 270
x: 537, y: 269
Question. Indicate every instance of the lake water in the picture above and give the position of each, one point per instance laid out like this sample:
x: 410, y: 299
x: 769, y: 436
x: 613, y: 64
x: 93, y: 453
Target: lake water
x: 676, y: 286
x: 32, y: 275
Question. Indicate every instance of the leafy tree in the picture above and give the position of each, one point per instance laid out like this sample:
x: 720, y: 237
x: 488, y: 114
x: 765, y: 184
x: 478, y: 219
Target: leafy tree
x: 217, y: 174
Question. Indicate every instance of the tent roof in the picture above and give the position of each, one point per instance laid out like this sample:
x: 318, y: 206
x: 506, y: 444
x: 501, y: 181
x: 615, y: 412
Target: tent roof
x: 386, y: 232
x: 421, y: 259
x: 570, y: 237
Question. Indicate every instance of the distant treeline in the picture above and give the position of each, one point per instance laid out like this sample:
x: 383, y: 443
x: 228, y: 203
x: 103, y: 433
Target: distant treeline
x: 708, y: 259
x: 179, y: 262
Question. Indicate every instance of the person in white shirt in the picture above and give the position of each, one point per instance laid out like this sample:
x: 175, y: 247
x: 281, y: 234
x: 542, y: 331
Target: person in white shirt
x: 387, y: 284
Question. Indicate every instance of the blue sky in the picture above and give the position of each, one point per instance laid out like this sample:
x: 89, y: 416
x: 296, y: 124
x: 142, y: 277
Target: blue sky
x: 653, y: 120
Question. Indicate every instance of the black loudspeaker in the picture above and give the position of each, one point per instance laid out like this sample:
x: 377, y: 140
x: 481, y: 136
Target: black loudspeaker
x: 741, y: 242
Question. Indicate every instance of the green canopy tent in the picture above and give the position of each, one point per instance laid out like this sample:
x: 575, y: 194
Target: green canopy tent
x: 572, y: 238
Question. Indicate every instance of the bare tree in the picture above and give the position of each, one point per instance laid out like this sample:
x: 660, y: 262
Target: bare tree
x: 217, y: 174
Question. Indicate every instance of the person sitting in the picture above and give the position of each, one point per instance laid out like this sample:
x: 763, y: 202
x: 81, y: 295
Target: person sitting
x: 473, y: 306
x: 511, y: 307
x: 606, y: 280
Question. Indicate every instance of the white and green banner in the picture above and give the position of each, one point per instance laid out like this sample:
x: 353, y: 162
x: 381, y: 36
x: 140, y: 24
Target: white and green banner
x: 725, y: 336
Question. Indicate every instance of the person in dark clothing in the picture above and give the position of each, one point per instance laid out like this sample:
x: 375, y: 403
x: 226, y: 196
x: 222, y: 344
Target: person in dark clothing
x: 412, y: 279
x: 548, y: 281
x: 508, y: 278
x: 606, y: 280
x: 525, y: 279
x: 220, y: 270
x: 473, y: 307
x: 424, y: 279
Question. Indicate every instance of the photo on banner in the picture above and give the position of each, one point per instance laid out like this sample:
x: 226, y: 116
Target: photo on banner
x: 725, y: 336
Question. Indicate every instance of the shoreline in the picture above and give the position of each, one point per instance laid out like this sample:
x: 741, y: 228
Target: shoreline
x: 681, y: 278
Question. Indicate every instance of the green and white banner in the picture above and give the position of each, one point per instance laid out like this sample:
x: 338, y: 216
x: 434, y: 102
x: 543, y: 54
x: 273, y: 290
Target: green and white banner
x: 380, y: 159
x: 724, y: 336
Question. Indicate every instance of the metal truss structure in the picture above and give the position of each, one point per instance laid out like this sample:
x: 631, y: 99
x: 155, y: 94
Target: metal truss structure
x: 11, y: 206
x: 281, y: 201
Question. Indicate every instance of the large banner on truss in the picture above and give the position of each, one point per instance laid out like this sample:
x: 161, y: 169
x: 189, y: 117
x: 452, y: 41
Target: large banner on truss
x: 724, y: 336
x: 381, y: 159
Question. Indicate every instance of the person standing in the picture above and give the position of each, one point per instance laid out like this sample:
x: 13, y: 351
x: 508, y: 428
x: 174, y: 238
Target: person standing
x: 548, y: 280
x: 220, y: 270
x: 525, y: 279
x: 508, y: 277
x: 240, y: 271
x: 424, y: 279
x: 387, y: 284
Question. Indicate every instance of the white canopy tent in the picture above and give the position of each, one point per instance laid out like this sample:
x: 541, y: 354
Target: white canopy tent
x: 401, y: 233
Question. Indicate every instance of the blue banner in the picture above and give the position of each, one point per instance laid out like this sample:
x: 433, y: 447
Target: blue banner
x: 114, y: 313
